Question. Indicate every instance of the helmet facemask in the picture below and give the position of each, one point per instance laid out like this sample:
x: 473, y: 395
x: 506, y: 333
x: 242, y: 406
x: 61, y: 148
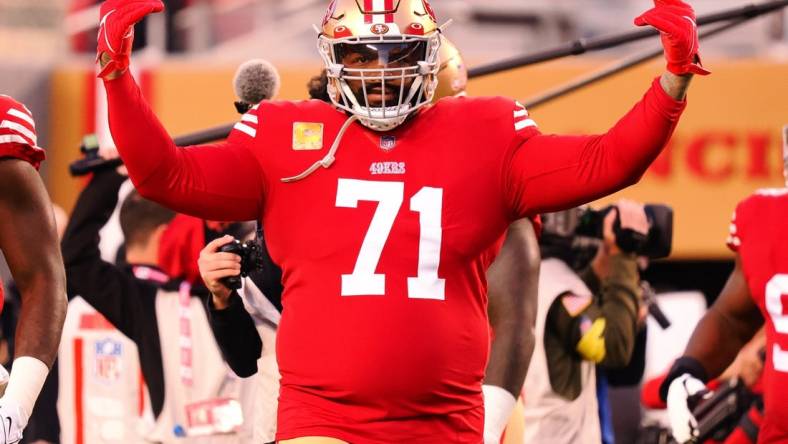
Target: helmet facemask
x: 381, y: 79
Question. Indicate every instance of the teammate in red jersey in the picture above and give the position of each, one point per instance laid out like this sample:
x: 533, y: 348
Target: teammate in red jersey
x: 755, y: 295
x: 384, y: 212
x: 29, y: 242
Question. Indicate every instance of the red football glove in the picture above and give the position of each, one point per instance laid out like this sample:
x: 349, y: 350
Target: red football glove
x: 676, y: 22
x: 116, y: 30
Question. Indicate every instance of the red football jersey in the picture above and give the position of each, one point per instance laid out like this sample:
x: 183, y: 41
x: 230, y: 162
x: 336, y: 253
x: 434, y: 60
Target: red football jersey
x: 18, y: 132
x: 384, y: 333
x: 758, y: 234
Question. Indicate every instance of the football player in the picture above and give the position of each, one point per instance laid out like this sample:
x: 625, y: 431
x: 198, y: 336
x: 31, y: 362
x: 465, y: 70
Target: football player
x: 384, y: 212
x: 29, y: 242
x: 755, y: 295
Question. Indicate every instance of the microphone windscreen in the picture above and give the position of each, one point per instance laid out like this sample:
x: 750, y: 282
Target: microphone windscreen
x: 256, y: 80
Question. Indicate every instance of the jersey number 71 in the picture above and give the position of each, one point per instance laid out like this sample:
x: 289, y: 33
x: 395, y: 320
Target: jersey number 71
x: 428, y: 202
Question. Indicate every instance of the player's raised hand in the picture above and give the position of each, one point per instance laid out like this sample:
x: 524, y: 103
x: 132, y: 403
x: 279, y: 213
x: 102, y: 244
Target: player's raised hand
x: 676, y: 22
x: 13, y: 422
x: 116, y: 32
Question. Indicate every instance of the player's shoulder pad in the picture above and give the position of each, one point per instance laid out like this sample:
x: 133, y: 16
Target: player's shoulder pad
x: 756, y: 202
x: 484, y: 107
x: 770, y: 193
x: 13, y: 110
x: 502, y: 110
x: 274, y: 112
x: 7, y: 102
x: 750, y: 210
x: 18, y: 132
x: 289, y: 108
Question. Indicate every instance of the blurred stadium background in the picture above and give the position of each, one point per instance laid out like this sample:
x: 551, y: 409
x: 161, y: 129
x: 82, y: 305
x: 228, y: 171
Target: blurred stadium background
x: 727, y: 144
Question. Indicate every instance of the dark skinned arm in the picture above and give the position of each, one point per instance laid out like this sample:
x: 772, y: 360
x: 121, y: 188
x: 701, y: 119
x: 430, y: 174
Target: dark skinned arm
x: 725, y: 328
x: 29, y: 242
x: 513, y: 280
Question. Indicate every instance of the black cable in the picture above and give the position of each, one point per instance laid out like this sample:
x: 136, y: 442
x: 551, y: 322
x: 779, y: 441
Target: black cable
x: 582, y: 46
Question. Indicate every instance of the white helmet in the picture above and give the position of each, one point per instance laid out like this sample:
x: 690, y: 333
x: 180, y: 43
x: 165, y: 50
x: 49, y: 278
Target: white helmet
x: 389, y: 50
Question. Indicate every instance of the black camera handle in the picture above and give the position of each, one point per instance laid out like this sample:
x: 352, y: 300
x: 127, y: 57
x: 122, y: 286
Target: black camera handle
x: 725, y: 405
x: 650, y: 299
x: 235, y: 283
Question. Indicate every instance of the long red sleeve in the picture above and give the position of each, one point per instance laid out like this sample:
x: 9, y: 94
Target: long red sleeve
x: 548, y: 172
x: 220, y: 182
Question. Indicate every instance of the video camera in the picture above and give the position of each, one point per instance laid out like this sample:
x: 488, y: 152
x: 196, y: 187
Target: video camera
x: 91, y: 162
x: 583, y: 225
x: 251, y: 260
x: 719, y: 414
x: 574, y: 236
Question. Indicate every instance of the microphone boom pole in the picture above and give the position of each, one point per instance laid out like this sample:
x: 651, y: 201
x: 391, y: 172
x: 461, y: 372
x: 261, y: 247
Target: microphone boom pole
x: 204, y: 136
x: 618, y: 67
x: 582, y: 46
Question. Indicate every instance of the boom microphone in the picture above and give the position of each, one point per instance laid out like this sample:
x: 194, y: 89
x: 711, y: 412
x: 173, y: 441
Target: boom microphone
x: 255, y: 80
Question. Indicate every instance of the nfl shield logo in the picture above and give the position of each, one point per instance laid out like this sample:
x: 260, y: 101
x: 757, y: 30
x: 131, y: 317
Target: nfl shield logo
x: 108, y: 361
x: 387, y: 143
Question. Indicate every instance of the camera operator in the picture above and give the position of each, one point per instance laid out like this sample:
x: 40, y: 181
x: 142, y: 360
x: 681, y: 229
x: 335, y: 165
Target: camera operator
x: 585, y: 318
x: 180, y: 361
x: 233, y: 304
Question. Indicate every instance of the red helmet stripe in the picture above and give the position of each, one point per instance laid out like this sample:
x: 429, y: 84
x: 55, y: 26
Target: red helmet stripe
x: 367, y: 8
x: 389, y: 5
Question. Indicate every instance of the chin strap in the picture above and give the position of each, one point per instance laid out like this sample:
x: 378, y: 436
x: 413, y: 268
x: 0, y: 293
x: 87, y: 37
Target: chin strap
x: 327, y: 161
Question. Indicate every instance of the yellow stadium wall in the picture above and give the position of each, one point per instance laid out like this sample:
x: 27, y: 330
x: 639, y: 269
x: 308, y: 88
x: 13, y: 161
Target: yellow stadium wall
x: 727, y: 145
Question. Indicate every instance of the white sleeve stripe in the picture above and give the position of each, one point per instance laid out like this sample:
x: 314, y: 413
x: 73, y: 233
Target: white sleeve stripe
x: 521, y: 113
x: 24, y: 116
x: 251, y: 132
x: 21, y: 129
x: 13, y: 138
x: 249, y: 118
x: 524, y: 124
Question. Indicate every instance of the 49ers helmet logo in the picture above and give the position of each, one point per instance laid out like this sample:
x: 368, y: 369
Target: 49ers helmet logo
x: 379, y: 29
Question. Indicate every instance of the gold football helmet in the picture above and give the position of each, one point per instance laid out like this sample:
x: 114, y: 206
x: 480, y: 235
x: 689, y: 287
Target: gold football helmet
x: 381, y: 58
x: 452, y: 74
